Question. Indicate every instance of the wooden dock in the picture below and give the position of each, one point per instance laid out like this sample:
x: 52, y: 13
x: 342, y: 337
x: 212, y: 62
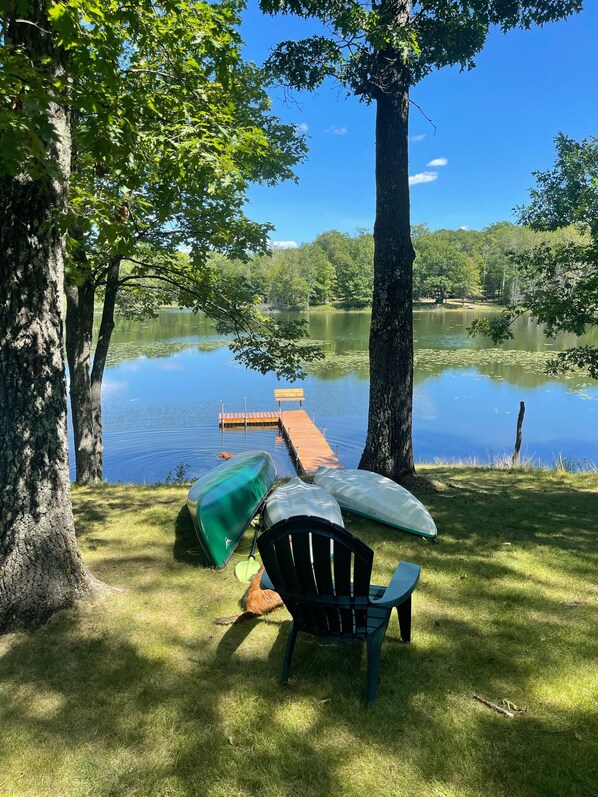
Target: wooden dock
x: 249, y: 418
x: 307, y: 444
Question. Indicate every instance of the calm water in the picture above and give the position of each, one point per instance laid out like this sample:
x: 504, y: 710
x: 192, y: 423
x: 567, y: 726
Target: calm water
x: 167, y: 377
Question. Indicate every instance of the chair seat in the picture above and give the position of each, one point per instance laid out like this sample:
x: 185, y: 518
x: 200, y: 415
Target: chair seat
x: 376, y: 619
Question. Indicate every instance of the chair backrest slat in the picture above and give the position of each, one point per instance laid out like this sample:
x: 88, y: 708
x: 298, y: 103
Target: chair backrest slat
x: 322, y: 561
x: 303, y: 558
x: 342, y: 569
x: 362, y: 572
x: 283, y: 556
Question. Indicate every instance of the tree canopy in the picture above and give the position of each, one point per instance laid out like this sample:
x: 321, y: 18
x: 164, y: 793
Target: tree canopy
x: 165, y: 147
x: 560, y: 278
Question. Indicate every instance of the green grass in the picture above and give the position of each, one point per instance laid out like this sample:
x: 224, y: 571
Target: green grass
x: 141, y: 694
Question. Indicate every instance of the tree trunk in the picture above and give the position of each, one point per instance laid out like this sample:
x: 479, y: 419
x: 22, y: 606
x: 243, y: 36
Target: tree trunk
x: 41, y: 570
x: 389, y: 449
x: 79, y: 330
x: 99, y: 360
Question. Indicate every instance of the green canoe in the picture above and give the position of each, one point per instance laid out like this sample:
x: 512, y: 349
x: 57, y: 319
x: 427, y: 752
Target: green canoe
x: 224, y: 501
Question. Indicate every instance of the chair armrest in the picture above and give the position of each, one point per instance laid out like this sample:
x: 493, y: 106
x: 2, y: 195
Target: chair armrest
x: 401, y: 586
x: 265, y: 582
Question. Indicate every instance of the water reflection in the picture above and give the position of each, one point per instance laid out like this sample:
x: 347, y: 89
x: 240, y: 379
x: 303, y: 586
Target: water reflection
x: 167, y: 376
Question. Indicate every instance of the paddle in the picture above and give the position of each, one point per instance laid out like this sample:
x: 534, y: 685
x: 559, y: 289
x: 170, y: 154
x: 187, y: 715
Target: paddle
x: 247, y: 569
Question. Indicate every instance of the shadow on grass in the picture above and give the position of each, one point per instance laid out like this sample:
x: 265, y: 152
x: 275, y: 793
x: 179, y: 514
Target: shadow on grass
x: 195, y: 709
x: 187, y: 547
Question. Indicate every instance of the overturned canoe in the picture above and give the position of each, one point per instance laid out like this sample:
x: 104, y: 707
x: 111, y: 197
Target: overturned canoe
x: 377, y: 497
x: 224, y: 501
x: 296, y: 497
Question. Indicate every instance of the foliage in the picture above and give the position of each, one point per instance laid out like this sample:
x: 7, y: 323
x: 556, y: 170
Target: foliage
x: 560, y: 281
x: 229, y: 299
x: 183, y: 129
x: 289, y: 290
x: 169, y: 127
x: 353, y: 262
x: 367, y: 43
x: 179, y: 474
x: 441, y: 269
x: 500, y: 277
x: 191, y: 129
x: 337, y: 267
x: 567, y: 194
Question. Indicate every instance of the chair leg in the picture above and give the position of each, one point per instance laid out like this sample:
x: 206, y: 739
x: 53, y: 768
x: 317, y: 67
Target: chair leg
x: 288, y: 655
x: 404, y: 613
x: 374, y: 646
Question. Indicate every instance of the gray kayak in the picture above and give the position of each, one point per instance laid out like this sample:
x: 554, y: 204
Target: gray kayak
x: 296, y: 497
x: 377, y: 497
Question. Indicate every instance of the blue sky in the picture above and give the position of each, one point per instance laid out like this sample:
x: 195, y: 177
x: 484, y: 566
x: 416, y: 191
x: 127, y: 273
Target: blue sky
x: 495, y: 125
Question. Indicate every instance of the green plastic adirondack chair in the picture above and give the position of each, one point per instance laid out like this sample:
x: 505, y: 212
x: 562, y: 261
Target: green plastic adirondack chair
x: 322, y: 573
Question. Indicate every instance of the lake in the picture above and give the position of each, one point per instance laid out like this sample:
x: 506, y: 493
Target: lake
x: 166, y: 379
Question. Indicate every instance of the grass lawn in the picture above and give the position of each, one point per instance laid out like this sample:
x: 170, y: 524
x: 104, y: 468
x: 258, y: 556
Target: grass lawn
x: 143, y: 695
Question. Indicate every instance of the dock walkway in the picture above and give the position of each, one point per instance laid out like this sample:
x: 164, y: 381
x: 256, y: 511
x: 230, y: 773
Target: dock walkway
x: 307, y: 444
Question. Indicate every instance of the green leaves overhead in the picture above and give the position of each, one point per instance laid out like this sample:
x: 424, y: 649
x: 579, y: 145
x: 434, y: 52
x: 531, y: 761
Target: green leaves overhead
x: 170, y: 125
x: 308, y: 62
x: 421, y: 36
x: 178, y: 134
x: 169, y: 128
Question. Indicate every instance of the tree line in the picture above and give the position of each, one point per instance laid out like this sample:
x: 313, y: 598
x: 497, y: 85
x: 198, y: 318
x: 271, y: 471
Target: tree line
x: 338, y: 269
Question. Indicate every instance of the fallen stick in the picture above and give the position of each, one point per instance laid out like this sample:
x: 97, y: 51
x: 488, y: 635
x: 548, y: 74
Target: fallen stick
x: 500, y: 709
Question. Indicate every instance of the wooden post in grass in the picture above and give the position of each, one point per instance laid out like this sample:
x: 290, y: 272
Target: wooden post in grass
x: 515, y: 458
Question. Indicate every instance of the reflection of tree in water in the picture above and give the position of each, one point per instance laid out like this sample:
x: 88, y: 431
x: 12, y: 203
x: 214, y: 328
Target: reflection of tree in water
x: 521, y: 368
x: 157, y: 350
x: 168, y: 325
x: 440, y: 335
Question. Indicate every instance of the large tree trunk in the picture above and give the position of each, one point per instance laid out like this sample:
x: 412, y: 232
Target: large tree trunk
x: 79, y: 331
x: 41, y: 570
x: 389, y: 449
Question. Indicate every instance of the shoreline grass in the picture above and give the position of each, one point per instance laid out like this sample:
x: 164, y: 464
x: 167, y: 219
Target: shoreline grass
x: 141, y: 694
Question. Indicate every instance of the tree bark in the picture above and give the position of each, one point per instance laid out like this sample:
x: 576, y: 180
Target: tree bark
x: 79, y: 330
x: 99, y: 360
x: 85, y: 379
x: 41, y: 570
x: 389, y: 449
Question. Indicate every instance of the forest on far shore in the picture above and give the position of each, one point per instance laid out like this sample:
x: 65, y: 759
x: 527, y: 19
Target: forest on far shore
x: 338, y: 269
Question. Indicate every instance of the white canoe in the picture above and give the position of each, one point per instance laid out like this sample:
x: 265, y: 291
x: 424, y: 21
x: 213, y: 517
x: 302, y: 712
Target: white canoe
x: 298, y: 498
x: 375, y: 496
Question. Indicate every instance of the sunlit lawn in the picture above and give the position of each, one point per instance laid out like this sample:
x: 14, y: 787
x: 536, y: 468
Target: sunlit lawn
x: 143, y: 695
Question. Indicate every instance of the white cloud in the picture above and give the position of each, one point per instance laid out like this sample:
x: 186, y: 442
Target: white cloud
x: 336, y: 131
x: 438, y: 162
x: 423, y: 177
x: 302, y: 128
x: 276, y: 245
x: 463, y: 227
x: 417, y: 138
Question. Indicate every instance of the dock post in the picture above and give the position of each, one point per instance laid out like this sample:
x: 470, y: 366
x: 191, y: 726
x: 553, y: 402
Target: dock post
x: 222, y: 413
x: 337, y: 450
x: 324, y: 431
x: 245, y: 410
